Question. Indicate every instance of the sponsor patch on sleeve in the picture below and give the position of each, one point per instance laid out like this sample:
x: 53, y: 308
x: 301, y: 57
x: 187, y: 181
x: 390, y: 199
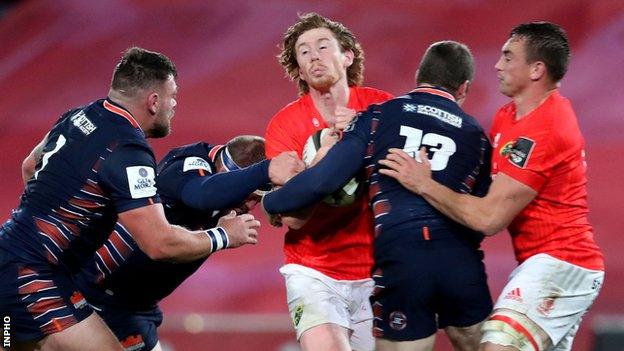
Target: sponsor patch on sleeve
x: 141, y: 181
x: 192, y: 163
x: 521, y: 151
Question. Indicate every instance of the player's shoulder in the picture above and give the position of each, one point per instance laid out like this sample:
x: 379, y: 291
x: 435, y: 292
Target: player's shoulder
x: 197, y: 152
x: 371, y: 95
x: 291, y: 110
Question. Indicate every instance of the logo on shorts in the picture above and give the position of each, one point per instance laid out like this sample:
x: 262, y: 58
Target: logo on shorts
x: 78, y: 300
x: 298, y: 313
x: 546, y: 306
x: 133, y: 342
x: 397, y: 320
x: 514, y: 295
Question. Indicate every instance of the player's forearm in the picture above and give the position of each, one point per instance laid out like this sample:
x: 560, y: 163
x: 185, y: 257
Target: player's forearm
x: 179, y: 245
x: 312, y: 185
x: 225, y: 190
x: 468, y: 210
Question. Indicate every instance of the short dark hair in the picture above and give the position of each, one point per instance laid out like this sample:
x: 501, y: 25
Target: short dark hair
x: 246, y: 149
x: 346, y: 39
x: 140, y: 69
x: 446, y: 64
x: 546, y: 42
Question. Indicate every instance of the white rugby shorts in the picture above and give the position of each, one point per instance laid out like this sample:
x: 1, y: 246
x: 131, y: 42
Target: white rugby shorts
x: 552, y: 293
x: 315, y: 299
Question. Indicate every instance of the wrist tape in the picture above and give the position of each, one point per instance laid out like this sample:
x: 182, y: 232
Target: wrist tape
x: 219, y: 238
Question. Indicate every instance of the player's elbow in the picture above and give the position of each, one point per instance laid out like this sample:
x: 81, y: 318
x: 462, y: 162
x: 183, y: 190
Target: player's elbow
x: 160, y: 250
x: 157, y: 253
x: 28, y: 168
x: 488, y: 226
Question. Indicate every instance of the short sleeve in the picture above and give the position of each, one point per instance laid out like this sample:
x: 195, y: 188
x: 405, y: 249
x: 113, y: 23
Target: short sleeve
x: 530, y: 159
x: 128, y: 176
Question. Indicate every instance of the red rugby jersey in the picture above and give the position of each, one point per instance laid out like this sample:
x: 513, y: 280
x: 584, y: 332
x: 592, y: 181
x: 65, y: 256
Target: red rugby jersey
x: 336, y: 241
x: 545, y: 150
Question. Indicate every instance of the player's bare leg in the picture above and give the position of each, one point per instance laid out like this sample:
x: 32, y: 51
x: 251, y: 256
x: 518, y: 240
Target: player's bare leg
x: 465, y: 339
x: 90, y: 334
x: 499, y: 337
x: 325, y: 337
x: 425, y: 344
x: 157, y: 347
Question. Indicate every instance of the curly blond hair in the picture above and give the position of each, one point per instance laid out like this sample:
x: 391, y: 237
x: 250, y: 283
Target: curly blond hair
x: 288, y: 57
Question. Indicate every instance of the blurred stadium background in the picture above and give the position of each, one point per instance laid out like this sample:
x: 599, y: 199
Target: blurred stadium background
x: 58, y: 54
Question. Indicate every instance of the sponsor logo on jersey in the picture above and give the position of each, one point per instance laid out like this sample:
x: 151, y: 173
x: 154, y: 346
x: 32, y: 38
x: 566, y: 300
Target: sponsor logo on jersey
x: 194, y: 163
x: 397, y: 320
x: 440, y: 114
x: 81, y: 122
x: 518, y: 151
x: 409, y: 108
x: 141, y: 181
x: 298, y: 313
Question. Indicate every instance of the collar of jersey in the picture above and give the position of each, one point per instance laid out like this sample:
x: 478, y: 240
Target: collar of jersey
x: 119, y: 110
x: 435, y: 91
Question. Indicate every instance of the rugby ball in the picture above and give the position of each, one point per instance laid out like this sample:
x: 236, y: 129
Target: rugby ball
x: 349, y: 192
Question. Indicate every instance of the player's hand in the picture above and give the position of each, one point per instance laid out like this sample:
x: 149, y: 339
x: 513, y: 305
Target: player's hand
x: 413, y: 174
x: 343, y: 116
x: 285, y: 166
x: 330, y: 139
x: 241, y: 229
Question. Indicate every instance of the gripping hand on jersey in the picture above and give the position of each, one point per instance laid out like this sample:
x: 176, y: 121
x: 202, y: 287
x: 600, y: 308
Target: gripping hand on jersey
x: 413, y: 174
x: 343, y: 116
x: 240, y: 229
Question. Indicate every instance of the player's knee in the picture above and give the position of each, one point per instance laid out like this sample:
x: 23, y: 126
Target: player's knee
x: 465, y: 338
x: 508, y: 328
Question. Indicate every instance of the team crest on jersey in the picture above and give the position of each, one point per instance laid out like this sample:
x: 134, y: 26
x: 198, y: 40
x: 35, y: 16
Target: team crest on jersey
x: 193, y: 163
x: 141, y: 181
x: 298, y: 314
x: 518, y: 151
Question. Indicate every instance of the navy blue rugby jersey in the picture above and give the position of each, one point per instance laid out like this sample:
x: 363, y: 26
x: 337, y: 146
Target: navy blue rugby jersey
x: 122, y: 274
x: 458, y: 149
x: 96, y: 163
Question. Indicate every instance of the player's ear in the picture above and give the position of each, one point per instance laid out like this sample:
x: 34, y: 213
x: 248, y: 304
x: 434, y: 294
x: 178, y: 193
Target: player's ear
x: 152, y: 103
x: 462, y: 92
x: 348, y: 57
x: 538, y: 70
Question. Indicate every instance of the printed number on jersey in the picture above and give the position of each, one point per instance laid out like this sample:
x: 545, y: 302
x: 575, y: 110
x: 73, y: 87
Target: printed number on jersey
x: 441, y: 147
x: 46, y: 156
